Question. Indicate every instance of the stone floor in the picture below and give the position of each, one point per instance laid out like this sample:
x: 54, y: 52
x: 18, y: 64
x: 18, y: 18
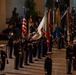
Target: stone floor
x: 37, y: 68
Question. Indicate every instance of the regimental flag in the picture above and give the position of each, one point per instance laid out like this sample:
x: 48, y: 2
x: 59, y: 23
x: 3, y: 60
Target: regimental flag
x: 64, y: 14
x: 57, y: 33
x: 40, y: 28
x: 49, y: 19
x: 68, y: 24
x: 68, y: 17
x: 47, y: 33
x: 24, y: 26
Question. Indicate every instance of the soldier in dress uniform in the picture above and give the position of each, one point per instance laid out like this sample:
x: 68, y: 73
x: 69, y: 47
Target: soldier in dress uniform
x: 69, y: 55
x: 26, y: 51
x: 17, y: 53
x: 74, y: 55
x: 3, y: 57
x: 72, y: 31
x: 10, y: 43
x: 48, y: 64
x: 35, y: 50
x: 44, y: 46
x: 30, y: 52
x: 21, y: 57
x: 39, y: 48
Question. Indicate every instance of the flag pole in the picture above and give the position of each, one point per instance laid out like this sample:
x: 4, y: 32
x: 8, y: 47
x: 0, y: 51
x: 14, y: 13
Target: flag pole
x: 68, y: 23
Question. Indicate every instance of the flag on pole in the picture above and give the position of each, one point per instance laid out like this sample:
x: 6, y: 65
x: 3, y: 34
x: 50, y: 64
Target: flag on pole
x: 47, y: 34
x: 49, y: 19
x: 57, y: 33
x: 68, y: 24
x: 38, y: 34
x: 24, y: 26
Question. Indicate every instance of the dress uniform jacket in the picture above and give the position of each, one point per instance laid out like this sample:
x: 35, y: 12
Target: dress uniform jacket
x: 48, y: 66
x: 16, y: 53
x: 69, y: 54
x: 74, y: 55
x: 10, y: 44
x: 3, y: 59
x: 74, y: 50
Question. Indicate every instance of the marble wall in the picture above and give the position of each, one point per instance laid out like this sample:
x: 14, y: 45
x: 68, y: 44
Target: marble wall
x: 6, y: 7
x: 2, y: 15
x: 40, y: 5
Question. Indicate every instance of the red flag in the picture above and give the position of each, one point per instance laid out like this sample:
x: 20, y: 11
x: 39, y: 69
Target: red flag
x: 48, y: 39
x: 47, y: 34
x: 49, y: 19
x: 40, y: 29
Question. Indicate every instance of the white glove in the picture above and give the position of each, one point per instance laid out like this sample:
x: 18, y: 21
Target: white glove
x: 73, y: 57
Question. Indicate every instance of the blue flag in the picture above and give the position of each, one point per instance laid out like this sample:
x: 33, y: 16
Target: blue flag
x: 57, y: 33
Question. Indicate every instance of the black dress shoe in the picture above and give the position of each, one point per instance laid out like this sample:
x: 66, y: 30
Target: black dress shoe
x: 2, y: 74
x: 74, y: 69
x: 27, y: 64
x: 31, y: 62
x: 21, y: 67
x: 16, y: 68
x: 11, y: 57
x: 40, y: 58
x: 36, y: 60
x: 69, y: 73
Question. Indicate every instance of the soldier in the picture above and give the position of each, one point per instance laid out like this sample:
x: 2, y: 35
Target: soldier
x: 26, y: 51
x: 16, y: 53
x: 74, y: 55
x: 3, y: 57
x: 21, y: 57
x: 69, y: 54
x: 48, y: 64
x: 44, y: 46
x: 10, y: 43
x: 35, y: 50
x: 39, y: 48
x: 30, y: 52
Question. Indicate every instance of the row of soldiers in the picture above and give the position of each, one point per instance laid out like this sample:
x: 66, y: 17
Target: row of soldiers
x: 25, y: 50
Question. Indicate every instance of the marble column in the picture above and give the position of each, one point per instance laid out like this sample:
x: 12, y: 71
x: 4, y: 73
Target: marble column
x: 2, y: 15
x: 75, y: 3
x: 71, y: 4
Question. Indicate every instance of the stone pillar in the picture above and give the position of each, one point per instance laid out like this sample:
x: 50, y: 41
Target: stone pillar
x: 2, y: 15
x: 75, y: 4
x: 71, y: 4
x: 39, y: 5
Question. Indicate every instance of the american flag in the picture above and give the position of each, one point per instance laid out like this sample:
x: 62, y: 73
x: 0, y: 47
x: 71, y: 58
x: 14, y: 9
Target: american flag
x: 24, y: 27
